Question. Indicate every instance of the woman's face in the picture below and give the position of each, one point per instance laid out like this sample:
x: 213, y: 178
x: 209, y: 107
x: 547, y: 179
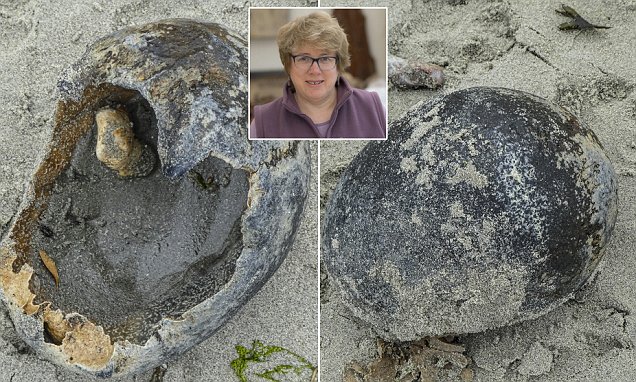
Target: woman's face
x: 314, y: 85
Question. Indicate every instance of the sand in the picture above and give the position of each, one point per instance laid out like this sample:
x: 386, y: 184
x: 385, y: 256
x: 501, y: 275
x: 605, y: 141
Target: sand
x: 495, y: 43
x: 37, y: 40
x: 519, y: 46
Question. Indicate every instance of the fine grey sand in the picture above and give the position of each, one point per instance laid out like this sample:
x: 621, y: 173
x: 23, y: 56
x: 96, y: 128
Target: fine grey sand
x: 38, y: 39
x: 591, y: 73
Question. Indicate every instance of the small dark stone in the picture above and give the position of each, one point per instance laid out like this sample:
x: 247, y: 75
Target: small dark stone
x: 484, y: 207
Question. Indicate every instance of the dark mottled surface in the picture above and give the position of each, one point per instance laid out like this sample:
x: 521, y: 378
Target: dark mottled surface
x: 192, y: 73
x: 485, y: 207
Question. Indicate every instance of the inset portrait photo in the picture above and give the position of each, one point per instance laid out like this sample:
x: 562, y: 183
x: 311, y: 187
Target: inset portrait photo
x: 318, y: 73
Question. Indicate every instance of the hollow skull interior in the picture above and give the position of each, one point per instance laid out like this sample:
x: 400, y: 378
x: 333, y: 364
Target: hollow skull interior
x: 131, y: 251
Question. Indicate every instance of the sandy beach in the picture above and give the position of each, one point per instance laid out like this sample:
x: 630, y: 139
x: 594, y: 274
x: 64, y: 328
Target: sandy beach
x: 591, y: 73
x: 38, y: 40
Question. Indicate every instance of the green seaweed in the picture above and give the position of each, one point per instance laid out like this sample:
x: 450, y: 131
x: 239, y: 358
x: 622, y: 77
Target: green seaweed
x: 260, y: 353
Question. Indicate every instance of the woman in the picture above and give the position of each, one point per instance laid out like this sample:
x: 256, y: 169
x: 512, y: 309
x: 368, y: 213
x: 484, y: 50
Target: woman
x: 317, y: 101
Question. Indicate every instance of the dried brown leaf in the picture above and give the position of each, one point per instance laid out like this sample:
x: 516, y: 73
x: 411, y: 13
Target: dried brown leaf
x: 49, y: 263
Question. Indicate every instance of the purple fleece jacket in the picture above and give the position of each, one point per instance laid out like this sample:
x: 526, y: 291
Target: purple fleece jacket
x: 358, y: 114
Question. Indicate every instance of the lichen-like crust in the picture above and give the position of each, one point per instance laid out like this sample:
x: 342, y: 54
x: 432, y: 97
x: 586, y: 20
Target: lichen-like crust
x: 184, y: 84
x: 192, y: 73
x: 485, y: 207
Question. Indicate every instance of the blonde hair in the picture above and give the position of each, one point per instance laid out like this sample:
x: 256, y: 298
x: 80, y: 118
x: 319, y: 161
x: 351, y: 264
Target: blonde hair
x: 318, y: 30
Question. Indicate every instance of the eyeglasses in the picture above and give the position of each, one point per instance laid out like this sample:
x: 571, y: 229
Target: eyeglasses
x: 324, y: 62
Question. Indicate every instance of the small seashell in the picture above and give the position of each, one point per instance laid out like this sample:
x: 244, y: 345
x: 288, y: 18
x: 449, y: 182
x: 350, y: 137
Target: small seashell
x: 117, y: 146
